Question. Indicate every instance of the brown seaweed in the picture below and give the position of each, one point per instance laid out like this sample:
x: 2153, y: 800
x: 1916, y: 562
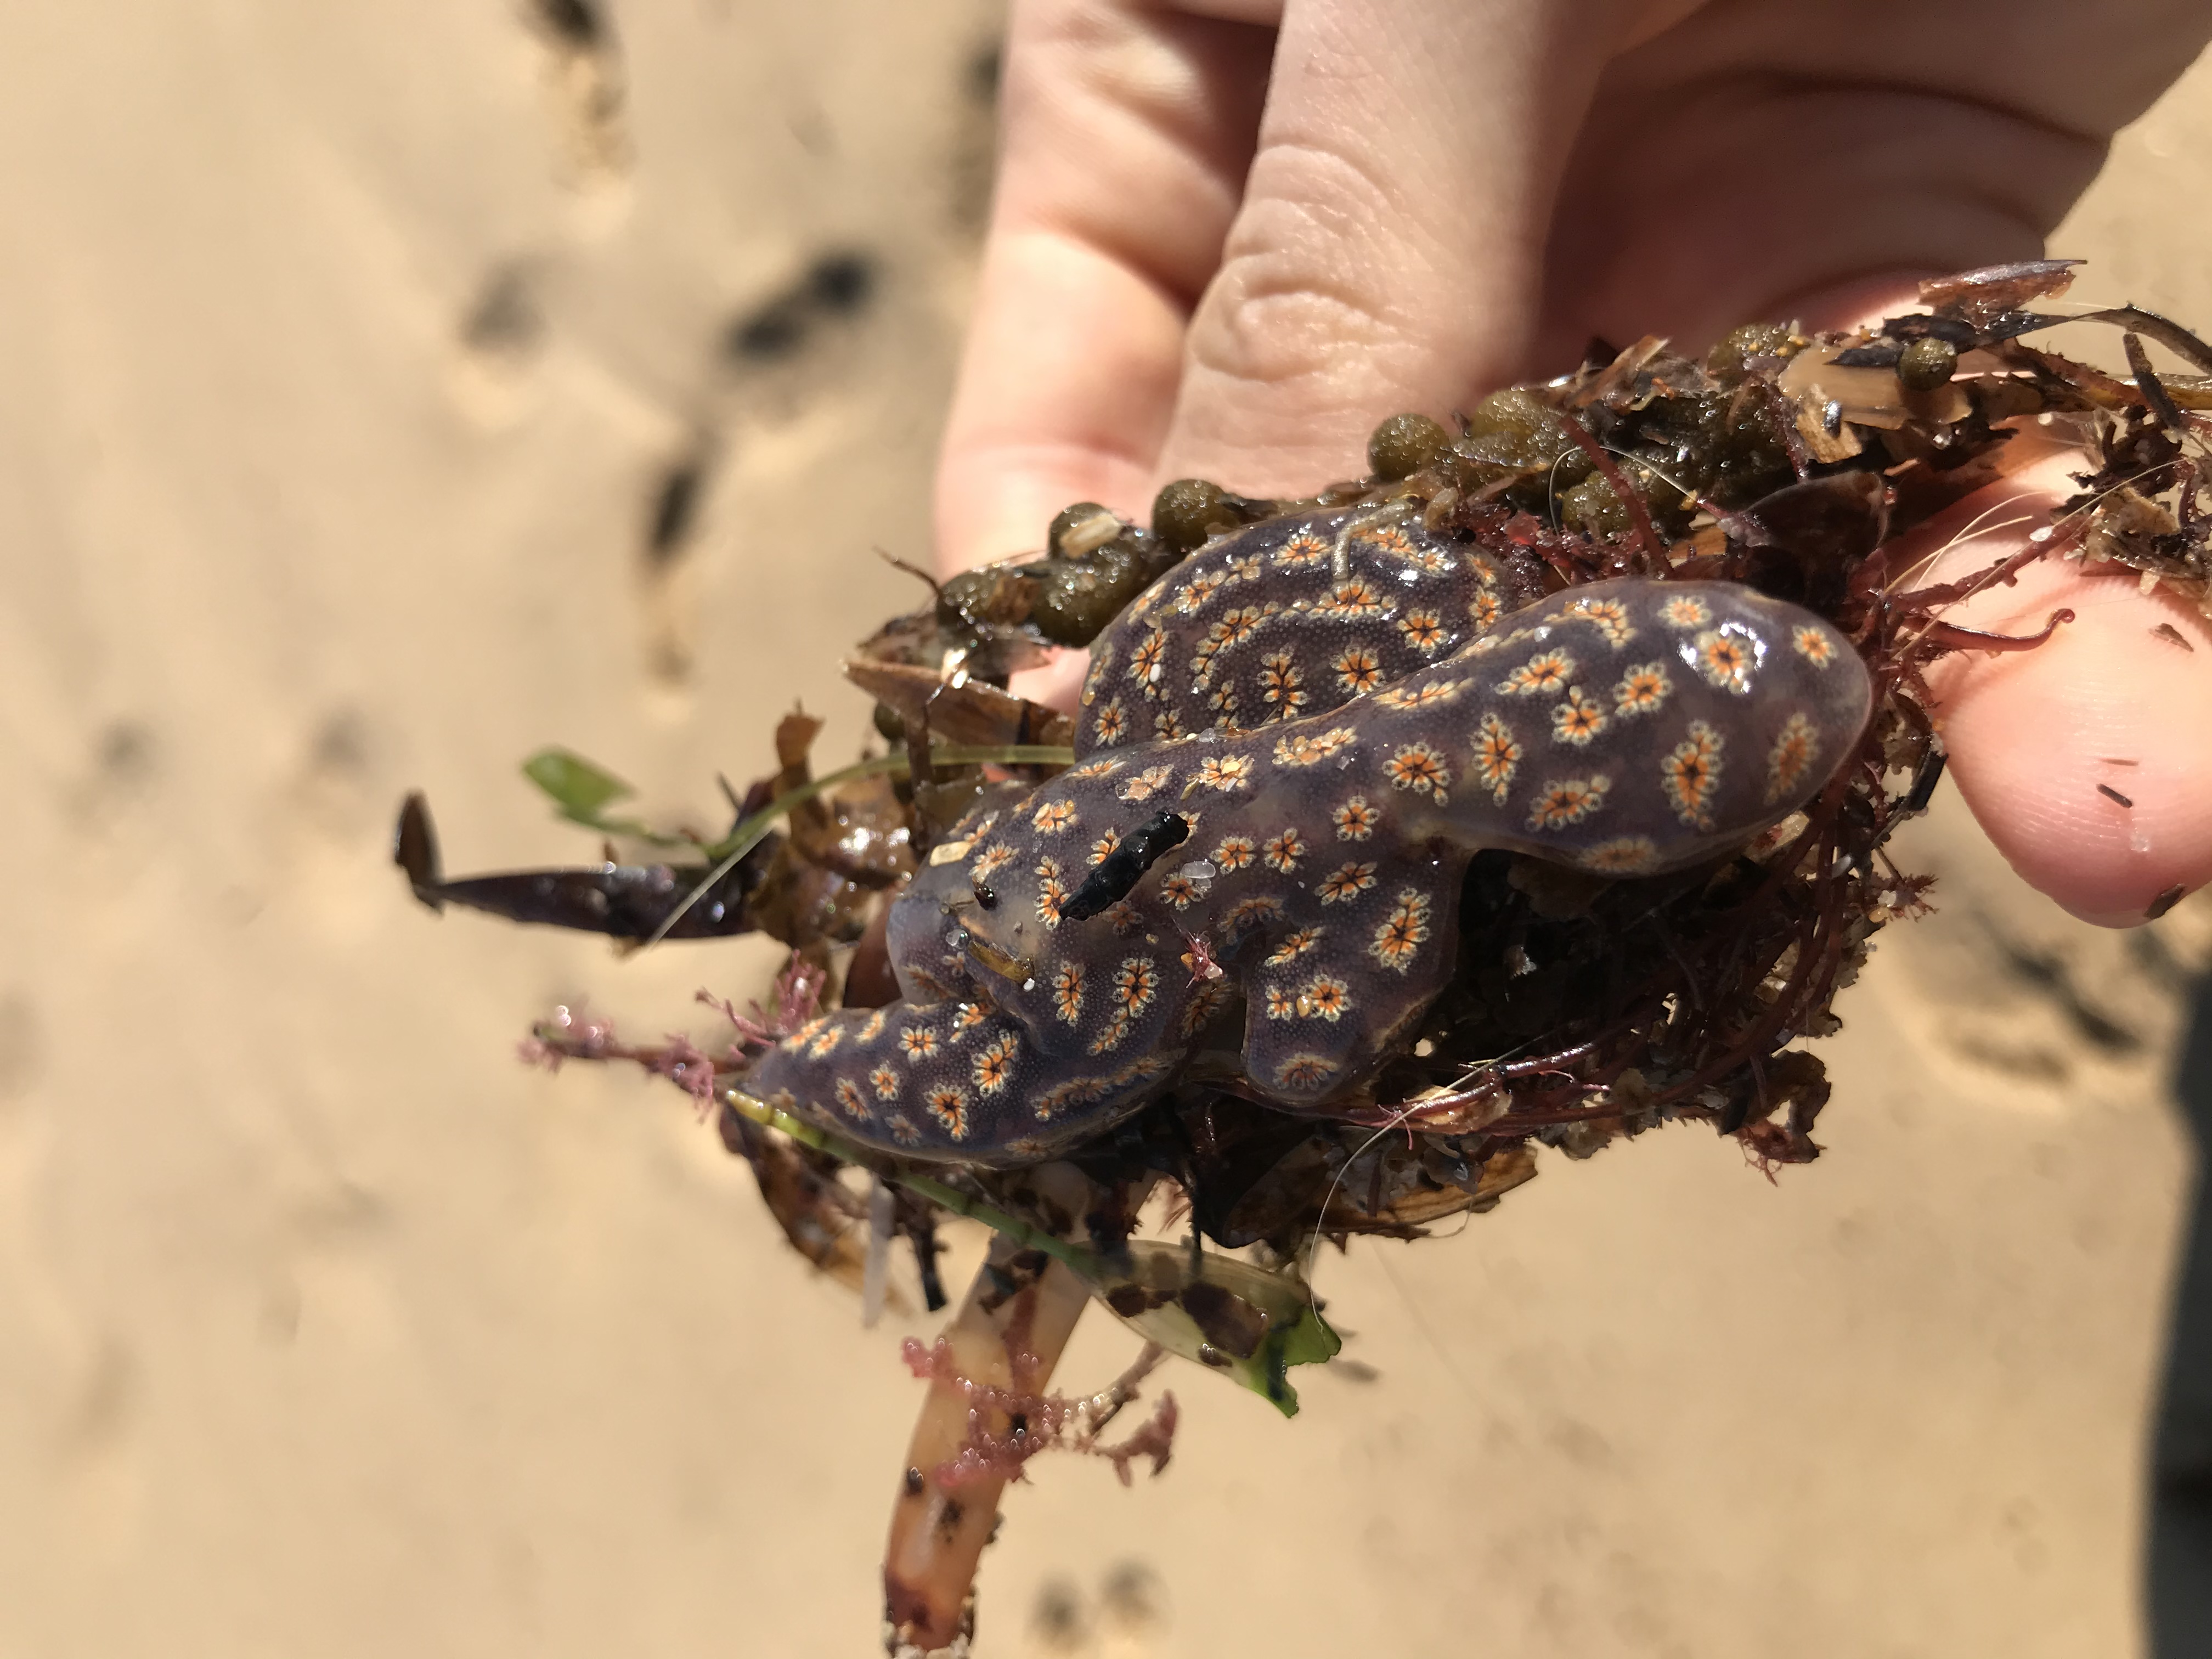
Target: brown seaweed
x: 625, y: 901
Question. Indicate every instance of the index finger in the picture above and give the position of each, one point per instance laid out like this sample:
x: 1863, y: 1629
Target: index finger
x: 1127, y: 128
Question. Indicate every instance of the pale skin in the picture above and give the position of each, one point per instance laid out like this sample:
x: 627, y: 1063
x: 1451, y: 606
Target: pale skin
x: 1231, y: 236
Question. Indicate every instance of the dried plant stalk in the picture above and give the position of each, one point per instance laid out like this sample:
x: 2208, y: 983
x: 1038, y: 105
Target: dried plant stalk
x: 1010, y: 1331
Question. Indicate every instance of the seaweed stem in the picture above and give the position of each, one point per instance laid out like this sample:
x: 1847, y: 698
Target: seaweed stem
x: 748, y: 835
x: 2152, y: 389
x: 1010, y: 1332
x: 1632, y: 500
x: 1953, y: 636
x: 1010, y: 1227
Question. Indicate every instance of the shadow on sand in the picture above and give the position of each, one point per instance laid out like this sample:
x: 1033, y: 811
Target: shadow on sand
x: 2180, y: 1554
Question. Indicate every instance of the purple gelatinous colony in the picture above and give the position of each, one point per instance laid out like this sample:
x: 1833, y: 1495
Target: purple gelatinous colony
x: 1342, y: 708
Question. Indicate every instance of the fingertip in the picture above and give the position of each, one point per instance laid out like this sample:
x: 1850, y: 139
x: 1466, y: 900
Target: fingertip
x: 2087, y: 759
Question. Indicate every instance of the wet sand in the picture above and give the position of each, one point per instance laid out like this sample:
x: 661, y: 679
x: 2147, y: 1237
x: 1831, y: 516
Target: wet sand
x: 392, y: 391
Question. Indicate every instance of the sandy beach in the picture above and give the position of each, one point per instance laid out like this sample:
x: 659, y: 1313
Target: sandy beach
x: 393, y: 391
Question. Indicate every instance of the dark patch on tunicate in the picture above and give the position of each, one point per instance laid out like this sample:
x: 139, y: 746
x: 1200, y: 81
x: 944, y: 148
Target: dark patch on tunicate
x: 1120, y: 871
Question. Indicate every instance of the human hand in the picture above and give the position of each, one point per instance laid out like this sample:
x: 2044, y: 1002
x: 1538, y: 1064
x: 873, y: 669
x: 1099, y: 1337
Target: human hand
x: 1231, y: 235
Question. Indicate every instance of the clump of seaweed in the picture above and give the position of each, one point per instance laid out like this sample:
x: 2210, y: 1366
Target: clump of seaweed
x: 1585, y: 1009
